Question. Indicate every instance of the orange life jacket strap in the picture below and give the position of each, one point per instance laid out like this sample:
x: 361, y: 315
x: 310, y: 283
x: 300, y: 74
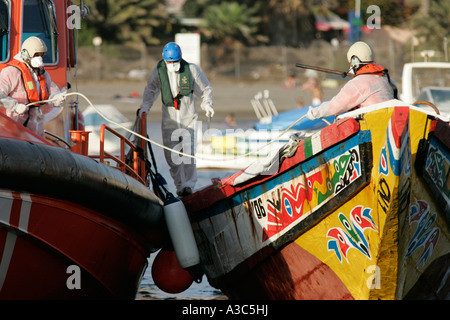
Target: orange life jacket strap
x: 28, y: 82
x: 375, y: 69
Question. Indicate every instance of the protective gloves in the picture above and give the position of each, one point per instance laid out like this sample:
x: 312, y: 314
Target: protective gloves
x: 20, y: 108
x: 209, y: 111
x: 311, y: 115
x: 59, y: 98
x: 318, y: 112
x: 139, y: 112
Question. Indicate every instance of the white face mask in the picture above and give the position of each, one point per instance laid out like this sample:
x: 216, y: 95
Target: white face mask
x: 37, y: 62
x: 173, y: 67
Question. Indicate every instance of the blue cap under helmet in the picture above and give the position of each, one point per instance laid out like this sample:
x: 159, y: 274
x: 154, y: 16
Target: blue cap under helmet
x: 171, y: 52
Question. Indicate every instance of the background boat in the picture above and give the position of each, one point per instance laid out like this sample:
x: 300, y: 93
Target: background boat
x: 427, y: 81
x: 237, y: 148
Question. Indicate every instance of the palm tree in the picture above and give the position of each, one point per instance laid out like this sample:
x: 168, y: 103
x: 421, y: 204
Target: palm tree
x: 288, y: 22
x: 127, y: 21
x: 432, y: 24
x: 231, y: 20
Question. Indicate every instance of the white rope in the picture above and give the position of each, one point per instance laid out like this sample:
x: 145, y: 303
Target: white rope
x: 167, y: 148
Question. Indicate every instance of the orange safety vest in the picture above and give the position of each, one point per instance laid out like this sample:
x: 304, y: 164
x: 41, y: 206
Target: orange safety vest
x: 372, y: 68
x: 28, y: 82
x: 375, y: 69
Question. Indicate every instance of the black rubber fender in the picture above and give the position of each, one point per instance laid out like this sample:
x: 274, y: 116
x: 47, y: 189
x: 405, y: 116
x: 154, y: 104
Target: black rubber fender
x: 56, y: 172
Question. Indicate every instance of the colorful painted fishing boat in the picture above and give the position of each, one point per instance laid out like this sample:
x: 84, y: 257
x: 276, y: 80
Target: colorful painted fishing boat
x: 359, y: 210
x: 70, y: 225
x: 235, y: 149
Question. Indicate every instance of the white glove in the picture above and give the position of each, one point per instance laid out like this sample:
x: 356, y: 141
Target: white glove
x: 321, y: 111
x: 21, y: 108
x: 209, y: 111
x: 58, y: 99
x: 312, y: 114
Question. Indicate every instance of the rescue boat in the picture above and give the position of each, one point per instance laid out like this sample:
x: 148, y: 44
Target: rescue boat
x: 71, y: 225
x: 358, y: 210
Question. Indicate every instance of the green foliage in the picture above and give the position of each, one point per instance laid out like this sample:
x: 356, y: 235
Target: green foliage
x: 432, y: 26
x: 195, y: 8
x: 86, y: 34
x: 286, y: 22
x: 393, y: 12
x: 230, y: 20
x: 127, y: 21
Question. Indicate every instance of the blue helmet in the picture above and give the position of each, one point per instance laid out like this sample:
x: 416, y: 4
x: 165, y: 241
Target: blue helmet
x: 171, y: 52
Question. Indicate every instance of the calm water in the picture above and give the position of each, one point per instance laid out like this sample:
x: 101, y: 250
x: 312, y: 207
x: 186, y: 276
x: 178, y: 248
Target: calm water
x: 202, y: 291
x: 197, y: 291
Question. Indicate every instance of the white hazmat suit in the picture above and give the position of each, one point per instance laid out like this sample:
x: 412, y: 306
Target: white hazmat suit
x: 178, y: 126
x: 361, y: 91
x: 370, y: 85
x: 13, y: 97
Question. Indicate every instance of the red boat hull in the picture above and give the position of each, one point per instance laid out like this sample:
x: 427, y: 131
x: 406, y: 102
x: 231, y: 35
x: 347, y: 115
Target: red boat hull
x: 70, y: 225
x: 289, y: 274
x: 53, y: 249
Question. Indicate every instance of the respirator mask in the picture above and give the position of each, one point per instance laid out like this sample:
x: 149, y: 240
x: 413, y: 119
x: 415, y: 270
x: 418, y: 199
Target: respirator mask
x: 173, y: 67
x: 37, y: 62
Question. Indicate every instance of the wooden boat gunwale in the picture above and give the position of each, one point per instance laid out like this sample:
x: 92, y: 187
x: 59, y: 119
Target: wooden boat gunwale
x: 331, y: 148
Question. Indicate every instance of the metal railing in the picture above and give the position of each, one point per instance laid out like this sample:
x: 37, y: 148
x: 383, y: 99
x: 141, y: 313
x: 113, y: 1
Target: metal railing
x: 136, y: 165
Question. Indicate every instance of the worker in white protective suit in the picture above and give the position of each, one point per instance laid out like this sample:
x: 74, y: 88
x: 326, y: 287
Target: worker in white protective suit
x: 178, y: 81
x: 370, y: 85
x: 25, y: 81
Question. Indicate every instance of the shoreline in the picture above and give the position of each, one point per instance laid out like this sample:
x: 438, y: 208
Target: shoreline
x: 229, y: 97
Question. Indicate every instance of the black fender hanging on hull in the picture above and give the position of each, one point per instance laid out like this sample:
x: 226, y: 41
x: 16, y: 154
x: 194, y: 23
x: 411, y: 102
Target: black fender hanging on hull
x: 56, y: 172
